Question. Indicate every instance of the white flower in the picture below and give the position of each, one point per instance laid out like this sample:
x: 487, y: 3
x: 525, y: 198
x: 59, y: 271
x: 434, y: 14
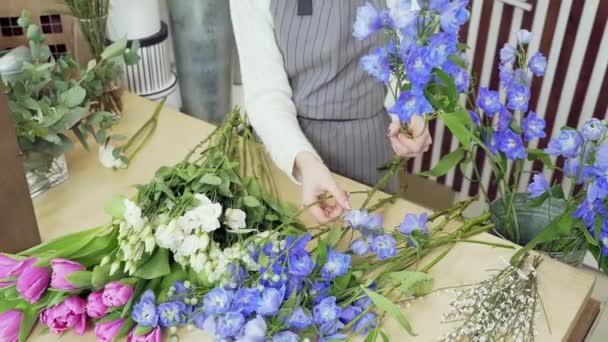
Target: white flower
x: 188, y: 247
x: 203, y: 242
x: 132, y: 213
x: 198, y: 261
x: 106, y: 158
x: 235, y: 218
x: 169, y: 236
x: 605, y: 241
x: 150, y: 243
x: 204, y: 216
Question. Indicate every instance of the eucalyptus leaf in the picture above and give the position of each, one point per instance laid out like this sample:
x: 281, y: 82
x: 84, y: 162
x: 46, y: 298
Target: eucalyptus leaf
x: 70, y: 119
x: 115, y: 49
x: 73, y: 97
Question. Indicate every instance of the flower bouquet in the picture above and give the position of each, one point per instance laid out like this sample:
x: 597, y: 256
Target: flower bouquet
x: 206, y: 244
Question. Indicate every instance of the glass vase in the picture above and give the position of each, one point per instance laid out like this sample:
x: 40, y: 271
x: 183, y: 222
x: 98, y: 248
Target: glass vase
x: 44, y: 172
x: 525, y: 220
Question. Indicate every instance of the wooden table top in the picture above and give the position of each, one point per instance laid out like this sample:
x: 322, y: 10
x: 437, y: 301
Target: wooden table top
x: 78, y: 204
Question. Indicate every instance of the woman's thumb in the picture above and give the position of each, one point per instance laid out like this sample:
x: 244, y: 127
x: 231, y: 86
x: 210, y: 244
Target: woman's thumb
x: 340, y: 196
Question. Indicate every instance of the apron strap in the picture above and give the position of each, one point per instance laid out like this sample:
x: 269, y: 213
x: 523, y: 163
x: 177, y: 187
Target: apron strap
x: 304, y: 7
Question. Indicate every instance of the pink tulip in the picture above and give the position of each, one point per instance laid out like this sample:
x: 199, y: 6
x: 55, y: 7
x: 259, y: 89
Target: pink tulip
x: 61, y: 269
x: 155, y: 335
x: 95, y: 306
x: 10, y: 322
x: 10, y: 267
x: 116, y: 294
x: 107, y: 331
x: 32, y: 282
x: 71, y: 314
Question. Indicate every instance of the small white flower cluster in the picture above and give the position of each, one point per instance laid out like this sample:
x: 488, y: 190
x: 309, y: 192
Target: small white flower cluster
x: 502, y: 308
x: 135, y: 237
x: 107, y: 159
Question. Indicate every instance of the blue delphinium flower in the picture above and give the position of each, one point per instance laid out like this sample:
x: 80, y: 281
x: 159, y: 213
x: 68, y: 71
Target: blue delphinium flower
x: 453, y: 16
x: 254, y: 330
x: 538, y: 64
x: 506, y: 75
x: 412, y: 222
x: 217, y: 301
x: 489, y: 101
x: 593, y: 129
x: 410, y: 103
x: 533, y: 126
x: 572, y: 168
x: 567, y: 144
x: 245, y: 300
x: 299, y: 319
x: 179, y: 287
x: 286, y: 336
x: 360, y: 246
x: 144, y: 312
x: 504, y: 119
x: 172, y: 314
x: 401, y: 14
x: 333, y: 337
x: 475, y: 118
x: 417, y: 68
x: 367, y: 22
x: 604, y: 238
x: 538, y: 186
x: 384, y: 246
x: 518, y: 97
x: 357, y: 218
x: 319, y: 290
x: 270, y: 301
x: 349, y: 313
x: 459, y: 75
x: 375, y: 223
x: 368, y: 321
x: 438, y: 5
x: 377, y: 64
x: 521, y: 77
x: 510, y: 144
x: 230, y: 324
x: 508, y: 53
x: 441, y: 45
x: 300, y: 264
x: 327, y: 311
x: 336, y: 264
x: 523, y: 36
x: 597, y: 189
x: 586, y: 213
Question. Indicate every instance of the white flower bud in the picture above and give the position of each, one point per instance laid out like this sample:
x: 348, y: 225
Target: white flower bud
x: 187, y: 284
x: 106, y: 260
x: 173, y: 330
x: 114, y: 268
x: 193, y: 301
x: 150, y: 243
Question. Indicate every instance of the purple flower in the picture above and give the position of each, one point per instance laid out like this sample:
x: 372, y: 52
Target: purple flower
x: 384, y: 246
x: 286, y: 336
x: 116, y: 294
x: 475, y: 118
x: 300, y: 264
x: 504, y: 119
x: 254, y: 330
x: 172, y: 314
x: 441, y: 45
x: 518, y: 97
x: 410, y: 103
x: 586, y: 213
x: 357, y: 218
x: 217, y: 301
x: 417, y: 67
x: 349, y: 313
x: 367, y: 22
x: 489, y: 101
x: 507, y: 54
x: 375, y: 223
x: 270, y: 301
x: 401, y: 14
x: 360, y: 246
x: 567, y: 144
x: 572, y: 168
x: 523, y: 37
x: 538, y: 64
x: 510, y: 144
x: 33, y: 281
x: 438, y: 5
x: 593, y: 129
x: 597, y: 189
x: 62, y: 268
x: 179, y: 287
x: 95, y: 306
x: 144, y: 312
x: 107, y: 331
x: 336, y: 264
x: 459, y: 75
x: 538, y: 186
x: 533, y: 126
x: 377, y: 64
x: 299, y: 319
x: 506, y: 76
x: 245, y: 300
x: 368, y: 321
x: 327, y: 311
x: 10, y: 324
x: 230, y: 324
x: 521, y: 77
x: 319, y: 290
x: 412, y: 223
x: 454, y: 16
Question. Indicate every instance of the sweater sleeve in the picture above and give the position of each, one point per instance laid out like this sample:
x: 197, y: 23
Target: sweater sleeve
x: 267, y: 92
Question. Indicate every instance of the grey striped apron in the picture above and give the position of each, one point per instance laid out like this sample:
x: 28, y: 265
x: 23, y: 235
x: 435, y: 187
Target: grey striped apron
x: 340, y: 108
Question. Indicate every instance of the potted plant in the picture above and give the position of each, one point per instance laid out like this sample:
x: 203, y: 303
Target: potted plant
x: 51, y: 97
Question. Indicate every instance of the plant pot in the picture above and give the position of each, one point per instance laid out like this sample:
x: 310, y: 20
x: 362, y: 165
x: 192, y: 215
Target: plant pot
x: 526, y: 221
x: 44, y: 172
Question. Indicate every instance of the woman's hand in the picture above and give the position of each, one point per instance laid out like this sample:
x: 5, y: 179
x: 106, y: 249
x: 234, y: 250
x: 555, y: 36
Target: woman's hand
x: 317, y: 180
x: 418, y: 141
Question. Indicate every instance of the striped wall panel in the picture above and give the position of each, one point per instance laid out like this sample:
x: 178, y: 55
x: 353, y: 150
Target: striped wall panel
x: 572, y: 34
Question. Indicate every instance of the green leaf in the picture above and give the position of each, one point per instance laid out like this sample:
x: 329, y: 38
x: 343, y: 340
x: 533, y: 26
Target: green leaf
x: 30, y: 316
x: 341, y: 283
x: 211, y: 179
x: 251, y: 201
x: 458, y: 123
x: 34, y: 34
x: 142, y: 331
x: 446, y: 163
x: 81, y: 279
x: 125, y: 329
x: 73, y: 97
x: 69, y: 120
x: 384, y: 337
x: 115, y: 49
x: 91, y: 65
x: 333, y: 236
x: 560, y: 226
x: 157, y: 266
x: 25, y: 19
x: 64, y: 246
x: 413, y: 283
x: 100, y: 276
x: 81, y: 137
x: 115, y: 207
x: 449, y: 85
x: 385, y: 304
x: 538, y: 154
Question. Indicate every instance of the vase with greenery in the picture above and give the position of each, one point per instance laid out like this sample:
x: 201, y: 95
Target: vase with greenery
x: 50, y: 105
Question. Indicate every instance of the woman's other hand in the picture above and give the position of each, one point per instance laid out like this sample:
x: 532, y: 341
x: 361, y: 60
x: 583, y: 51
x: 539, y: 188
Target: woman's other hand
x: 413, y: 144
x: 317, y: 180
